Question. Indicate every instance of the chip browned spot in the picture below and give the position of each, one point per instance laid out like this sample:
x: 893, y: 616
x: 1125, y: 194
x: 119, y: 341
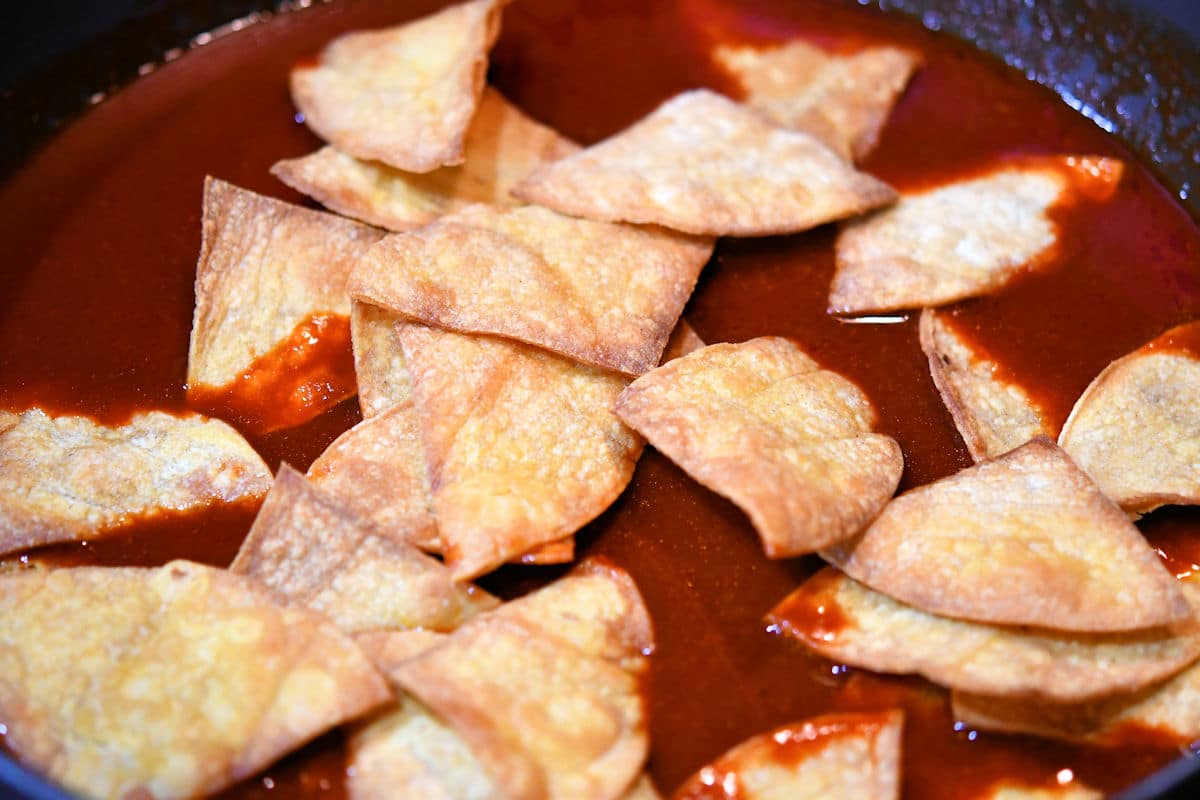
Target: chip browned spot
x: 68, y: 478
x: 1136, y: 429
x: 961, y: 239
x: 168, y: 683
x: 1023, y: 539
x: 850, y: 756
x: 762, y: 424
x: 502, y: 146
x: 403, y: 95
x: 849, y: 623
x: 704, y: 164
x: 597, y: 292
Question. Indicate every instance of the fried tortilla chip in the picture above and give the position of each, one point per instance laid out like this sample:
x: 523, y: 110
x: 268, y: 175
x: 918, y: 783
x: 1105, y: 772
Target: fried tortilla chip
x: 604, y: 294
x: 68, y: 478
x: 168, y: 683
x: 315, y: 553
x: 383, y: 379
x: 1136, y: 429
x: 961, y: 239
x: 683, y: 340
x: 848, y: 622
x: 1024, y: 539
x: 762, y: 424
x: 843, y: 100
x: 642, y: 789
x: 404, y: 95
x: 502, y: 146
x: 830, y: 757
x: 1072, y: 791
x: 704, y: 164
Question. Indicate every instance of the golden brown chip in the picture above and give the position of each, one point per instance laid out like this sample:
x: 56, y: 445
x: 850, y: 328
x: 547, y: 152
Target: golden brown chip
x: 316, y: 553
x: 1136, y: 429
x: 168, y: 683
x: 502, y: 146
x: 68, y: 478
x: 1024, y: 539
x: 830, y: 757
x: 849, y: 623
x: 961, y: 239
x: 403, y: 95
x: 605, y: 294
x: 703, y: 164
x: 762, y: 424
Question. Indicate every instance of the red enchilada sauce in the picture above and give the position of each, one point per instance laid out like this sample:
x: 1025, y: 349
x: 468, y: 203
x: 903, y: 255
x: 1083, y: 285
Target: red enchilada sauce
x: 102, y: 231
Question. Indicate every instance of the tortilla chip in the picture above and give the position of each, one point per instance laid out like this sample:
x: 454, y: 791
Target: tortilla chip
x: 683, y: 340
x: 403, y: 95
x: 961, y: 239
x: 851, y: 624
x: 1024, y: 539
x: 1136, y: 429
x: 992, y: 415
x: 64, y: 479
x: 603, y: 294
x: 502, y: 146
x: 171, y: 682
x: 642, y: 789
x: 762, y: 424
x: 1072, y: 791
x: 833, y: 756
x: 522, y: 446
x: 703, y: 164
x: 8, y: 420
x: 383, y: 379
x: 843, y: 100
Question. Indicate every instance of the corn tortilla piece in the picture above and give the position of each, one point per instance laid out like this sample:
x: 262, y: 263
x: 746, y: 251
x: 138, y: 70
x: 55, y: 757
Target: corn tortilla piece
x: 68, y: 478
x: 403, y: 95
x: 1075, y: 790
x: 683, y: 340
x: 382, y: 376
x: 1136, y: 428
x: 703, y: 164
x: 850, y: 756
x: 642, y: 789
x: 961, y: 239
x: 992, y: 415
x: 762, y: 424
x: 604, y: 294
x: 170, y: 682
x: 1023, y: 539
x: 850, y: 623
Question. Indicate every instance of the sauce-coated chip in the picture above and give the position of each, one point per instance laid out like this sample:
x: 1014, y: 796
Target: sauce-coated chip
x: 168, y: 683
x: 704, y: 164
x: 762, y: 424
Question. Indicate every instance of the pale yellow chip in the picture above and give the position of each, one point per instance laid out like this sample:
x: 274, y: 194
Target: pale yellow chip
x: 961, y: 239
x: 1136, y: 429
x: 704, y: 164
x: 601, y: 293
x: 383, y: 379
x: 843, y: 100
x: 850, y: 756
x: 403, y: 95
x: 849, y: 623
x: 168, y: 683
x: 68, y: 478
x: 762, y: 424
x: 502, y: 146
x: 1024, y: 539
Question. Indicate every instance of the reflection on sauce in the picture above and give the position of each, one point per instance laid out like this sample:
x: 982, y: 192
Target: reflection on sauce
x: 1174, y: 532
x: 1184, y: 340
x: 806, y: 615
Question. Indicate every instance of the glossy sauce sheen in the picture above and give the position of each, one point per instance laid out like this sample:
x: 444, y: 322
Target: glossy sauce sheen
x: 102, y: 230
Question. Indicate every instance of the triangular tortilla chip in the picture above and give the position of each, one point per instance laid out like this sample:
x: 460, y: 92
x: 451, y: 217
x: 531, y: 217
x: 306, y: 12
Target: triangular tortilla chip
x: 502, y: 146
x: 703, y: 164
x: 315, y: 553
x: 404, y: 95
x: 992, y: 415
x: 762, y: 424
x: 849, y: 623
x: 604, y: 294
x: 68, y: 478
x: 270, y: 339
x: 1024, y: 539
x: 169, y: 683
x: 830, y: 757
x: 961, y: 239
x: 843, y: 100
x: 1136, y: 429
